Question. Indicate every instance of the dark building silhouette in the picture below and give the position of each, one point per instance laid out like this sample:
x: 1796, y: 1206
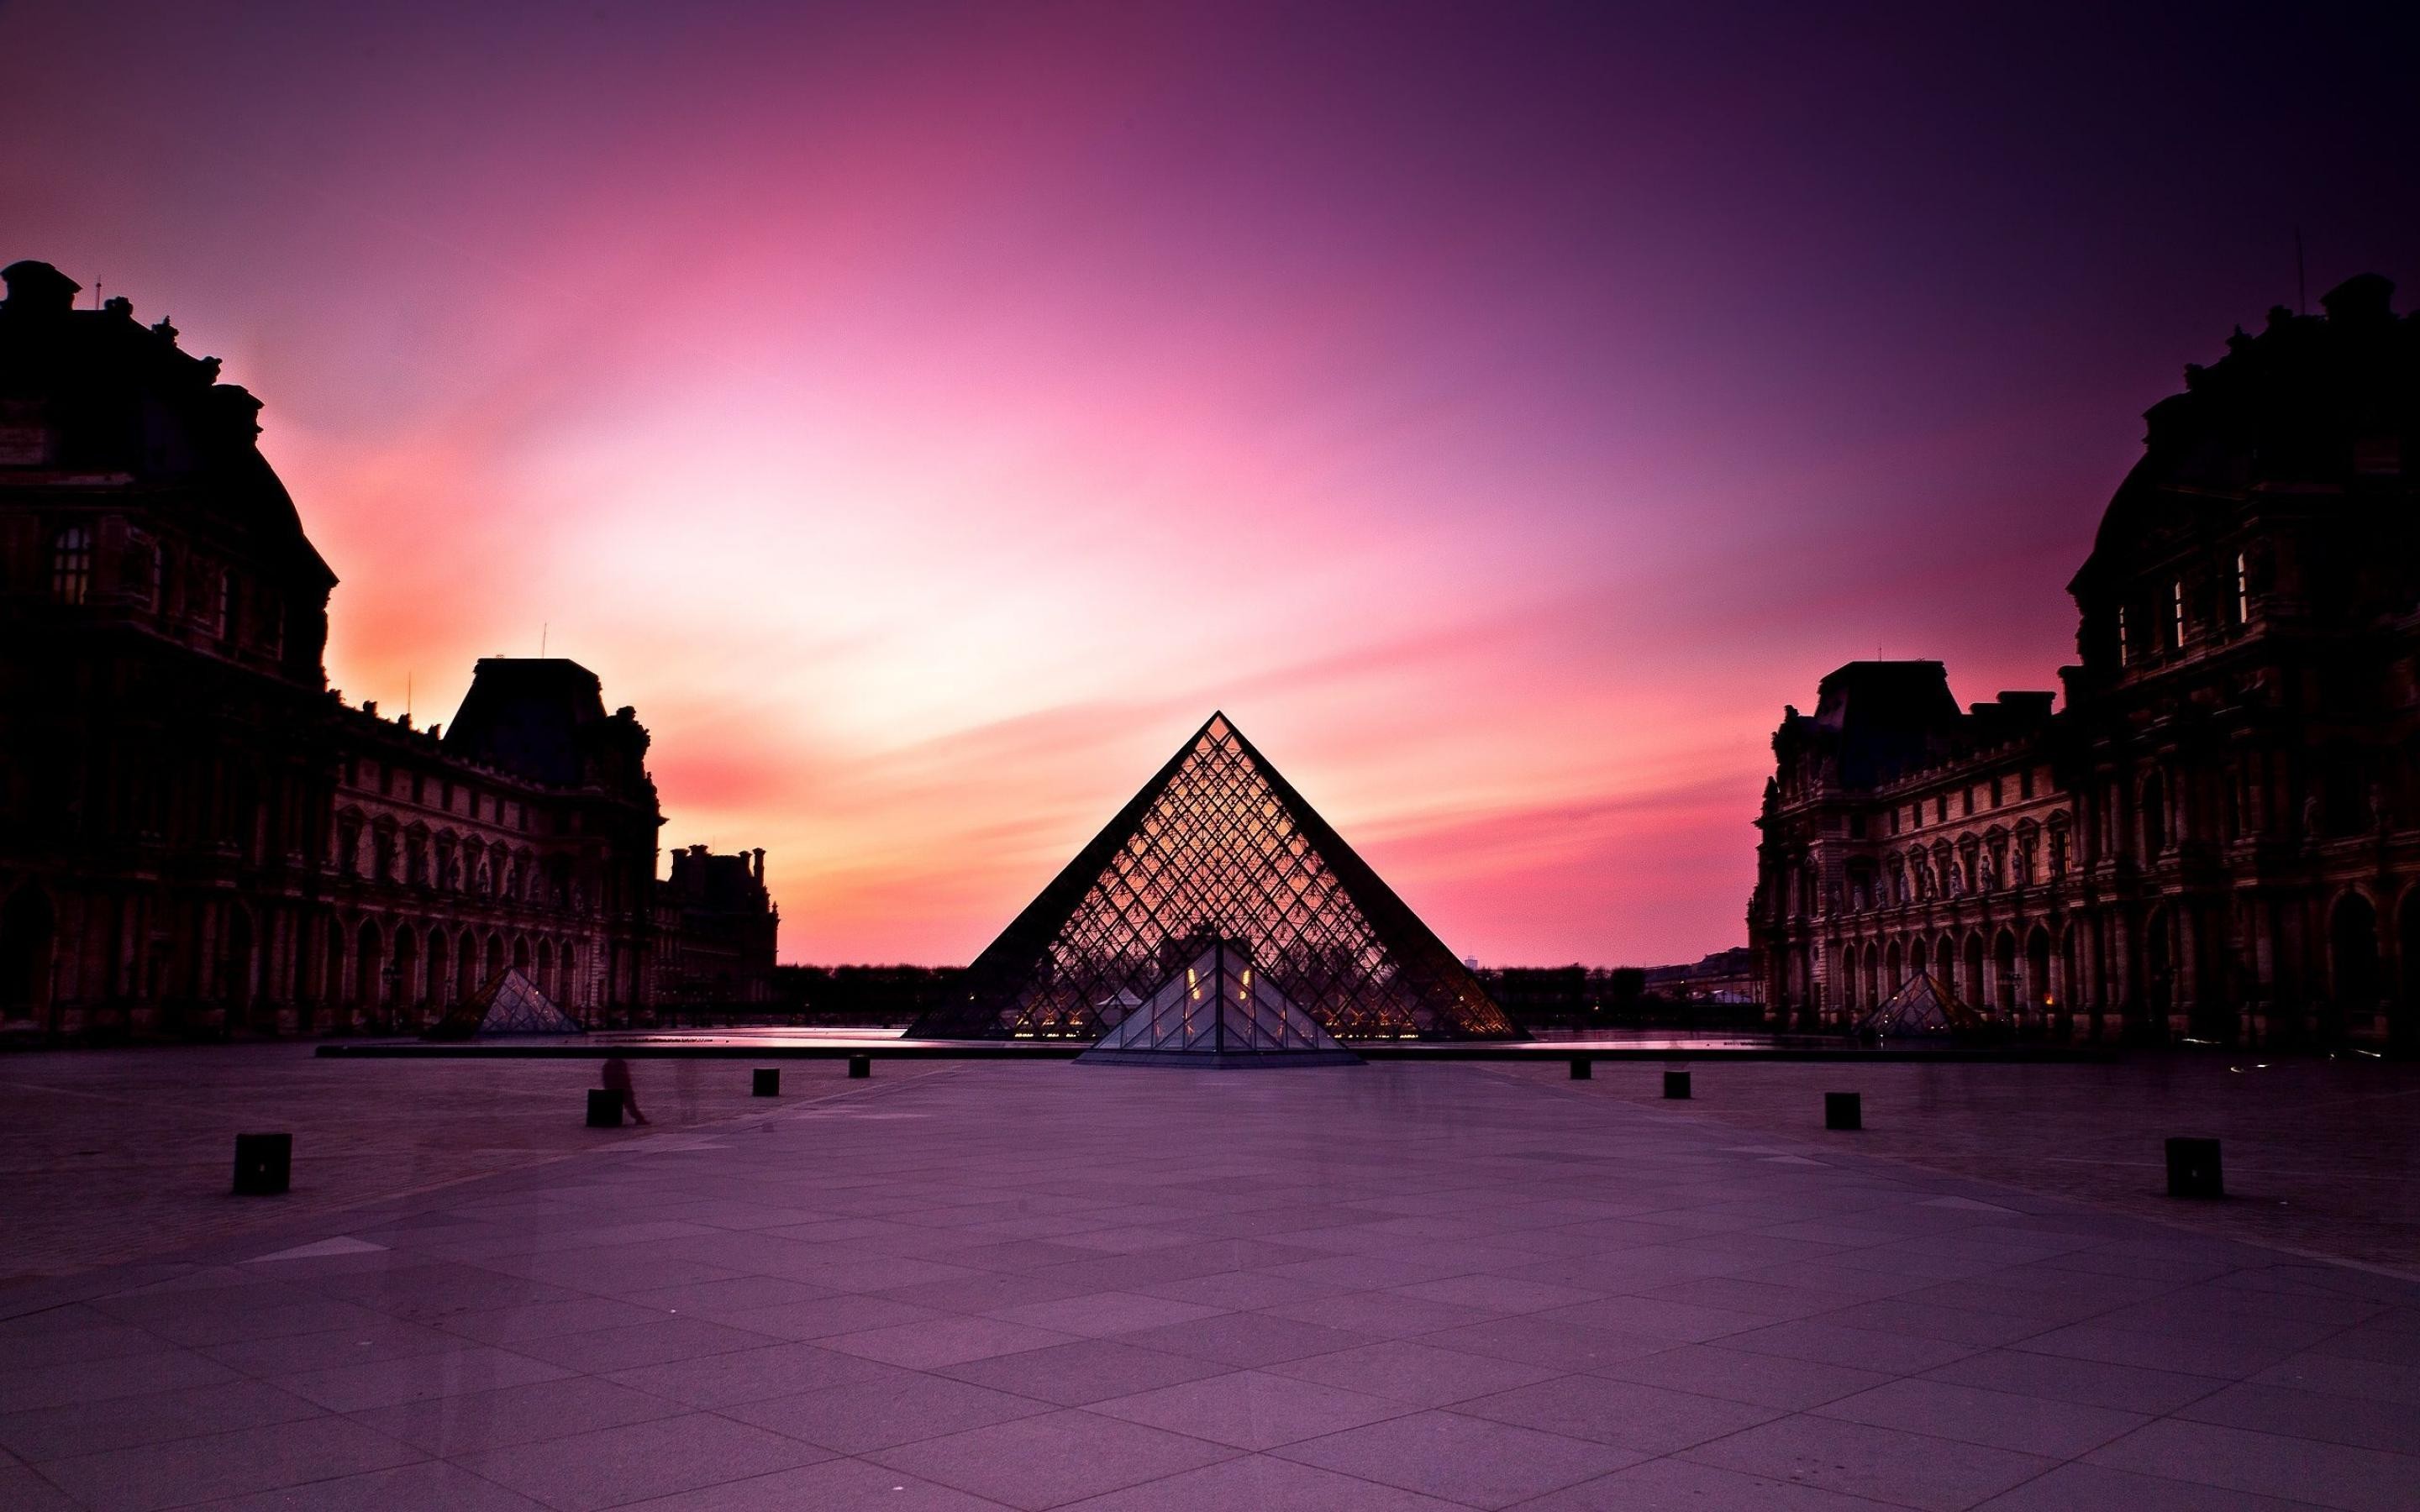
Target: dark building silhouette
x: 2219, y: 834
x: 197, y: 835
x: 717, y: 925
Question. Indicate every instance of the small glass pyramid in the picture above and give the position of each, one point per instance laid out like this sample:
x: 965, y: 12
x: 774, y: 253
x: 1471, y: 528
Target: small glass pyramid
x: 1218, y: 1012
x: 510, y: 1003
x: 1923, y: 1007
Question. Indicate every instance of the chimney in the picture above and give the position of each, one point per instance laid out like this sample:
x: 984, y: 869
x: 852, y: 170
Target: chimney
x: 2365, y: 299
x: 37, y: 288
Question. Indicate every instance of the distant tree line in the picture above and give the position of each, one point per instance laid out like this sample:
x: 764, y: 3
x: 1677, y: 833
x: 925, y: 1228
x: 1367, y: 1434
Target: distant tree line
x: 861, y: 994
x: 1588, y: 998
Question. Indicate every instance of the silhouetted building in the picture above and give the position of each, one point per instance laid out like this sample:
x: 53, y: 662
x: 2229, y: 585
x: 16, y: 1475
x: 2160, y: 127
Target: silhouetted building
x: 1727, y: 977
x: 716, y: 924
x: 197, y: 836
x: 2219, y: 834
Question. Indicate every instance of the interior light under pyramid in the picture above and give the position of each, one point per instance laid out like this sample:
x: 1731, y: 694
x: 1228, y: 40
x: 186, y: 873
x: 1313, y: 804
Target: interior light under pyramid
x: 1217, y: 846
x: 1220, y: 1012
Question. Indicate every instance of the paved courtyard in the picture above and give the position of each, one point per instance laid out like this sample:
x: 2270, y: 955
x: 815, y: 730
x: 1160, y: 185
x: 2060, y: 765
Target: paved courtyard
x: 1041, y: 1286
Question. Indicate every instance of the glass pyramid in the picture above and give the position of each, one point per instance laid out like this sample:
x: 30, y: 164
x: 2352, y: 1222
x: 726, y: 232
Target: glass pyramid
x: 1924, y: 1005
x: 1217, y: 847
x: 510, y: 1003
x: 1218, y: 1012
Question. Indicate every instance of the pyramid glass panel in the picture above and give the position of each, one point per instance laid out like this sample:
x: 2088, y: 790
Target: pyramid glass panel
x: 508, y: 1003
x: 1217, y: 847
x: 1218, y: 1010
x: 1923, y: 1005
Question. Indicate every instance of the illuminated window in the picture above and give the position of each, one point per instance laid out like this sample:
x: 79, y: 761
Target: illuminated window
x: 71, y: 564
x: 2177, y: 613
x: 2242, y: 591
x: 2122, y: 656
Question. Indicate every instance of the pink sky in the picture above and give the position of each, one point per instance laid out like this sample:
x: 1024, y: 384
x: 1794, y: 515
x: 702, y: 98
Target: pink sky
x: 926, y: 416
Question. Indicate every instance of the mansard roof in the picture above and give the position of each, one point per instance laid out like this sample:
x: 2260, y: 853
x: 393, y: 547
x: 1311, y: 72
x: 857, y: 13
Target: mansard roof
x: 543, y: 718
x: 94, y: 395
x: 2311, y: 402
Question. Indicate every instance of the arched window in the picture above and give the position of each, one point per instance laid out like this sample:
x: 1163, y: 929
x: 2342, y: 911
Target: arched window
x: 71, y: 564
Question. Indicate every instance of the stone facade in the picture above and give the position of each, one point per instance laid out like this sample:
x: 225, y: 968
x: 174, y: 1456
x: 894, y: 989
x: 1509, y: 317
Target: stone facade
x: 198, y: 837
x: 2218, y: 835
x: 717, y: 923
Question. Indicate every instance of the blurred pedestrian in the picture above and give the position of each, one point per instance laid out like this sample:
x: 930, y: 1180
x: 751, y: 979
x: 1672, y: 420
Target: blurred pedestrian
x: 618, y: 1079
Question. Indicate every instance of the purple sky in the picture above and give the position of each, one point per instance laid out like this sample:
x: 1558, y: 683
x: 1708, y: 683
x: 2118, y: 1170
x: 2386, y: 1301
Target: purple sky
x: 925, y: 415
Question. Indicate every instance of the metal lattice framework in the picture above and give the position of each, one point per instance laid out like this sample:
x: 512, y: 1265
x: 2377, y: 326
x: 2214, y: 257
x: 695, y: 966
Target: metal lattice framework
x: 1217, y: 846
x: 1223, y: 1012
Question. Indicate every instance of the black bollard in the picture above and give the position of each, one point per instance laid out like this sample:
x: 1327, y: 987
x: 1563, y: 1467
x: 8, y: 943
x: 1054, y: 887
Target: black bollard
x: 1844, y: 1110
x: 860, y: 1067
x: 264, y: 1163
x: 765, y: 1082
x: 2192, y: 1170
x: 604, y: 1107
x: 1582, y: 1067
x: 1676, y: 1086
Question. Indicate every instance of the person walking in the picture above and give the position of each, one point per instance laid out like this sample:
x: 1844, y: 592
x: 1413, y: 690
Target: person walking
x: 618, y: 1079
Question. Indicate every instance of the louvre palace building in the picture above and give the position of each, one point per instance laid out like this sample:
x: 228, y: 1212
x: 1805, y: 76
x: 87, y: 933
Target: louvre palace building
x: 2217, y: 835
x: 197, y: 836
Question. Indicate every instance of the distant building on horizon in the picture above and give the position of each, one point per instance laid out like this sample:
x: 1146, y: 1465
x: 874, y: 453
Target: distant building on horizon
x: 717, y: 925
x: 198, y: 837
x: 2219, y: 835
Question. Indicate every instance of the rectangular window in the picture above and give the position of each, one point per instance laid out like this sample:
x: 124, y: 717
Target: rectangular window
x: 1941, y: 807
x: 1894, y: 819
x: 2242, y: 591
x: 2122, y: 649
x: 2177, y: 602
x: 1966, y: 803
x: 71, y: 564
x: 1995, y: 792
x: 2025, y: 783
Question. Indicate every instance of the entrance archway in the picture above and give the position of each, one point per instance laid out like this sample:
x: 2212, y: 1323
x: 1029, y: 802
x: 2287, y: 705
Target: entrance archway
x: 2352, y: 961
x: 2403, y: 1026
x: 27, y: 925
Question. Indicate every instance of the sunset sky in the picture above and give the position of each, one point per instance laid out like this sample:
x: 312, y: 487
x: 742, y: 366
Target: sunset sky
x: 926, y: 415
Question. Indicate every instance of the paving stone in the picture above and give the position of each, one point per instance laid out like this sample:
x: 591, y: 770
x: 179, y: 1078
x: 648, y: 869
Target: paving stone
x: 1261, y: 1483
x: 899, y: 1406
x: 1086, y: 1370
x: 1251, y: 1409
x: 1465, y: 1460
x: 2031, y: 1424
x: 1883, y: 1464
x: 217, y: 1465
x: 1626, y: 1414
x: 1680, y: 1485
x: 449, y: 1426
x: 1043, y: 1462
x: 608, y: 1467
x: 2267, y: 1464
x: 124, y: 1422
